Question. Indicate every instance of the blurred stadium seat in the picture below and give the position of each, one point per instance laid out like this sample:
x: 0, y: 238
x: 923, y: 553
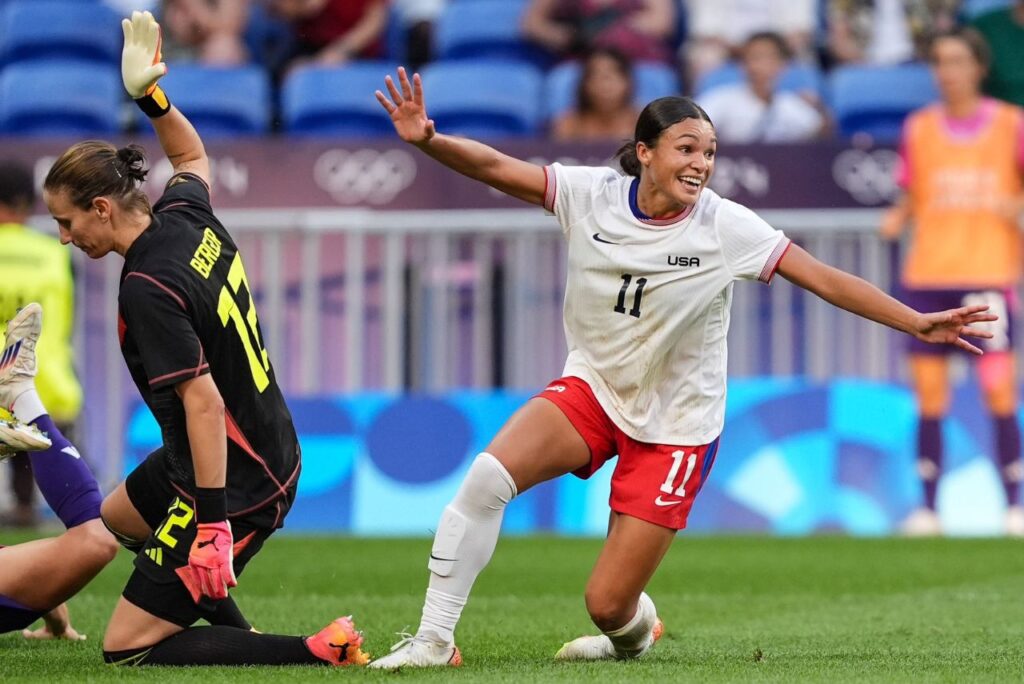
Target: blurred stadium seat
x: 221, y: 101
x: 61, y: 29
x: 975, y: 8
x: 798, y: 76
x: 60, y: 98
x: 476, y: 29
x: 336, y: 100
x: 876, y: 100
x: 653, y: 80
x: 485, y: 98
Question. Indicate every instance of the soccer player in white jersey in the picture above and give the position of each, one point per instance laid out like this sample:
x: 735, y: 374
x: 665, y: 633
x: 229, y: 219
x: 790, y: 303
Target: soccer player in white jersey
x: 653, y: 255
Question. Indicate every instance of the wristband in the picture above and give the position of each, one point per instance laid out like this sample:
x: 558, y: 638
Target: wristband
x: 154, y: 103
x: 211, y: 505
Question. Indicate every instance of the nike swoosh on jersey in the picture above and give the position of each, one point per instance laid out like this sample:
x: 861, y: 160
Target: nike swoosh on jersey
x: 661, y: 502
x: 597, y: 236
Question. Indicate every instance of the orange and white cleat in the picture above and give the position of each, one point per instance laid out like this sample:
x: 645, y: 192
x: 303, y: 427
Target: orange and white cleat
x: 416, y: 651
x: 339, y: 644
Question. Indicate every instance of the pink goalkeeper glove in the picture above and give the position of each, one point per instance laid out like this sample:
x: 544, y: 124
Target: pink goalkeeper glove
x: 210, y: 568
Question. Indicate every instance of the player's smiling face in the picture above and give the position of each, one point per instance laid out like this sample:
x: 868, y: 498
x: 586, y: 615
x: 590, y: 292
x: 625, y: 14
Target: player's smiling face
x: 680, y: 164
x: 88, y: 229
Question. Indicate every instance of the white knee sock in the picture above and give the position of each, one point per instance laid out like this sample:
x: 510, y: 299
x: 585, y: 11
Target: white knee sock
x: 28, y: 406
x: 466, y: 536
x: 634, y: 638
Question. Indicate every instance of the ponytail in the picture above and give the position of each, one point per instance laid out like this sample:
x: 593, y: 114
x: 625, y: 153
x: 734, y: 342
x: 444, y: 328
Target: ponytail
x: 628, y: 160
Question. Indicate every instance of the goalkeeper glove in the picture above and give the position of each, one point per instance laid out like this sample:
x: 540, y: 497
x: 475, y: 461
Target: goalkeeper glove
x: 141, y: 67
x: 210, y: 570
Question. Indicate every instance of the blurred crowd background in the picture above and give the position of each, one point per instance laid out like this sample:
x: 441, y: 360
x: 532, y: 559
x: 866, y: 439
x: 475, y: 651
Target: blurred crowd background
x: 767, y: 70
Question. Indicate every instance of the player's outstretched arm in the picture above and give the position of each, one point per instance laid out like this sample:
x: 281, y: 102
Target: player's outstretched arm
x: 210, y: 569
x: 141, y: 68
x: 864, y: 299
x: 470, y: 158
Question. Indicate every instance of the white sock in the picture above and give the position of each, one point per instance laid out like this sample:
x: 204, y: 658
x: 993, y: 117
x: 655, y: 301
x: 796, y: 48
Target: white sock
x: 466, y: 536
x: 28, y: 406
x: 634, y: 638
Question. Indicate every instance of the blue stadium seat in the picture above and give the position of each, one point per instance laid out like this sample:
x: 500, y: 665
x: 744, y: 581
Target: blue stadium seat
x: 729, y: 73
x: 52, y: 97
x: 60, y: 29
x: 484, y: 98
x: 975, y: 8
x: 485, y: 29
x: 798, y: 76
x: 653, y: 80
x: 221, y: 101
x: 876, y: 100
x: 337, y: 101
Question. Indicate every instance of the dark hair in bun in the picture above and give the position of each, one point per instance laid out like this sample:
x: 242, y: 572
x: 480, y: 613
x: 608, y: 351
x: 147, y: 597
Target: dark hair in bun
x: 95, y: 168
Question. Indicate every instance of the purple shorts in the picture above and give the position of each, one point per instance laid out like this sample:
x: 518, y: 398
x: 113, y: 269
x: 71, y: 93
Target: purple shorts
x: 1002, y: 303
x: 14, y: 616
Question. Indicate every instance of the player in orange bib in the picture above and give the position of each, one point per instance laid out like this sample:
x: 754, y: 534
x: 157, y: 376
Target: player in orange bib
x: 963, y: 173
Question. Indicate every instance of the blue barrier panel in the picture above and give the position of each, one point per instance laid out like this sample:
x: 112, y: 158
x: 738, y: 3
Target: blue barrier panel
x: 796, y: 458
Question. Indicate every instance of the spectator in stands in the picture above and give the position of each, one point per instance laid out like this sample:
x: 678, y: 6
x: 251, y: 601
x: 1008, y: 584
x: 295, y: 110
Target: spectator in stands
x: 604, y: 100
x: 886, y: 31
x: 37, y: 268
x: 417, y: 19
x: 963, y: 173
x: 642, y: 30
x: 207, y: 31
x: 755, y: 111
x: 718, y: 29
x: 1004, y: 31
x: 332, y: 32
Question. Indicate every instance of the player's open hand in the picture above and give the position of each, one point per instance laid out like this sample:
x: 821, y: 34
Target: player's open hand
x: 406, y: 108
x: 56, y: 625
x: 950, y: 327
x: 141, y: 67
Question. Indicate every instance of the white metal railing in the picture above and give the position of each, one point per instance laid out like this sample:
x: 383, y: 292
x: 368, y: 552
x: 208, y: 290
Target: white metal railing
x: 354, y: 300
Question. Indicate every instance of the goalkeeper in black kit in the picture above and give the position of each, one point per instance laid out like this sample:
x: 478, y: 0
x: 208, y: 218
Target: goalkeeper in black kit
x: 202, y: 505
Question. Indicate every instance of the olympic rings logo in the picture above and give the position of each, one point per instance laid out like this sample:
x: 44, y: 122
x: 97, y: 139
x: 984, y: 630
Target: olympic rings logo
x: 366, y: 175
x: 870, y: 177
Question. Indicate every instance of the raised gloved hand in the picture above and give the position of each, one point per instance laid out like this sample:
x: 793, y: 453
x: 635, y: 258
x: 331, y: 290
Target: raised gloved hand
x: 141, y: 67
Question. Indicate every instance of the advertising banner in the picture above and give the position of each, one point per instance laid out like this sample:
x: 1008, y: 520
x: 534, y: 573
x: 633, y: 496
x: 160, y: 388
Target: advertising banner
x: 300, y: 173
x: 795, y: 458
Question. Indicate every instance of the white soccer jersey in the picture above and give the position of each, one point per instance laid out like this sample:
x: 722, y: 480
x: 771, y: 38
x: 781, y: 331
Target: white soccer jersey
x: 647, y: 301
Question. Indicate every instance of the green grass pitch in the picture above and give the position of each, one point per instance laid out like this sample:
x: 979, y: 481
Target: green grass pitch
x: 736, y: 609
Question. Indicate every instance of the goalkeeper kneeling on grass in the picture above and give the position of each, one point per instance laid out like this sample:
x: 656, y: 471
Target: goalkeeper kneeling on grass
x: 202, y: 505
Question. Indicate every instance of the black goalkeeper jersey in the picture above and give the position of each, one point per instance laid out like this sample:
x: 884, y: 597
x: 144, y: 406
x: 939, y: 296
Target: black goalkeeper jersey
x: 185, y: 309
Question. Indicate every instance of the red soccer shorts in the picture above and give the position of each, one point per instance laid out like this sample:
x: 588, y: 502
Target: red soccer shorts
x: 652, y: 482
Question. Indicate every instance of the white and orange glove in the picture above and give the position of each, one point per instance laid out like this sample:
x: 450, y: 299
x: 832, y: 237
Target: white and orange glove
x: 141, y: 67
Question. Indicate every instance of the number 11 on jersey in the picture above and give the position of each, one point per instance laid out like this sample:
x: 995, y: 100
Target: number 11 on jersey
x: 620, y: 306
